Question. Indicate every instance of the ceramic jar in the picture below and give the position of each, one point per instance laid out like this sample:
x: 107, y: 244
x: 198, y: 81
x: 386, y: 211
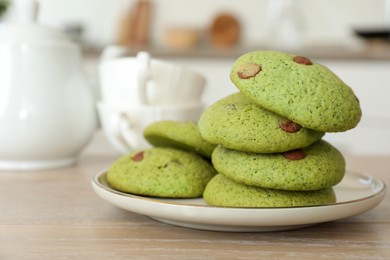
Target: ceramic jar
x: 47, y: 111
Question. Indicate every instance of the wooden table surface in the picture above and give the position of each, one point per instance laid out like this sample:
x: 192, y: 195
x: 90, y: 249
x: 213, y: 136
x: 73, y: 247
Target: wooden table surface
x: 55, y: 214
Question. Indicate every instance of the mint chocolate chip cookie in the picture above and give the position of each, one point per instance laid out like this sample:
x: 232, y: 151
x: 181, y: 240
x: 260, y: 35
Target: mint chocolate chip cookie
x: 315, y: 167
x: 238, y: 123
x: 161, y: 172
x: 224, y: 192
x: 297, y: 88
x: 181, y: 135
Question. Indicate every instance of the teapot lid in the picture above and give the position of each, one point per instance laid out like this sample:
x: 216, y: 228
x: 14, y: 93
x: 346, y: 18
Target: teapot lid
x: 24, y: 29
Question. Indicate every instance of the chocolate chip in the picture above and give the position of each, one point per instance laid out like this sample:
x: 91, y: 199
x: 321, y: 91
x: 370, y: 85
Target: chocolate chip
x: 293, y: 155
x: 248, y: 70
x: 302, y: 60
x: 289, y: 126
x: 138, y: 157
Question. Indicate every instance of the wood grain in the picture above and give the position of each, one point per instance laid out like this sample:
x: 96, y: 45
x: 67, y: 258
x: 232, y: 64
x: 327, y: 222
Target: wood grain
x: 55, y: 214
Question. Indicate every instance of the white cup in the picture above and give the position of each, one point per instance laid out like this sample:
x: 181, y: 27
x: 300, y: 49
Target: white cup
x: 124, y: 126
x: 142, y: 80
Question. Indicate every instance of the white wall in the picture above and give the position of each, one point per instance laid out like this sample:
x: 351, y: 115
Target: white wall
x: 325, y: 20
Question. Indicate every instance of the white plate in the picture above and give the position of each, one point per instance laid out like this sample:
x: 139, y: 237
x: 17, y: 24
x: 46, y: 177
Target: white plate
x: 357, y: 193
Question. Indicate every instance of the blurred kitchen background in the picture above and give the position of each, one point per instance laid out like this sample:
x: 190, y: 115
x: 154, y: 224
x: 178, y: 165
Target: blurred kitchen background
x: 351, y: 37
x: 321, y: 22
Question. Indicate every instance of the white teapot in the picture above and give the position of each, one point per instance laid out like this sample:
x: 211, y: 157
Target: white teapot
x: 47, y: 110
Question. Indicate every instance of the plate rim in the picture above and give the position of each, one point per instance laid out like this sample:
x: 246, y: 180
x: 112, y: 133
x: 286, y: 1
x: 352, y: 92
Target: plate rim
x: 217, y: 218
x: 97, y: 182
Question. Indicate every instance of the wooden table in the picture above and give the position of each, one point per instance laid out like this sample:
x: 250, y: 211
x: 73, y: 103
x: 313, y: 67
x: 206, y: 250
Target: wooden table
x: 55, y: 214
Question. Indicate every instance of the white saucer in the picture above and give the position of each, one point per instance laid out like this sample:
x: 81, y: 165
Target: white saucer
x: 357, y: 193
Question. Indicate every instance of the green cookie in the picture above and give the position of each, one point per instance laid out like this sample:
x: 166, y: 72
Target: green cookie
x: 181, y: 135
x: 222, y: 191
x: 298, y: 89
x: 237, y: 123
x: 315, y: 167
x: 161, y: 172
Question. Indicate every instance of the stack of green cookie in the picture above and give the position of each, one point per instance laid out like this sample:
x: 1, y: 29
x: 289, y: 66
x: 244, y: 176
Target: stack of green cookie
x: 270, y: 150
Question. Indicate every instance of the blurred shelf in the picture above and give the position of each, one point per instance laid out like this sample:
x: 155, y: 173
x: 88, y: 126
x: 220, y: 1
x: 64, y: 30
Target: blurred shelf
x: 375, y: 52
